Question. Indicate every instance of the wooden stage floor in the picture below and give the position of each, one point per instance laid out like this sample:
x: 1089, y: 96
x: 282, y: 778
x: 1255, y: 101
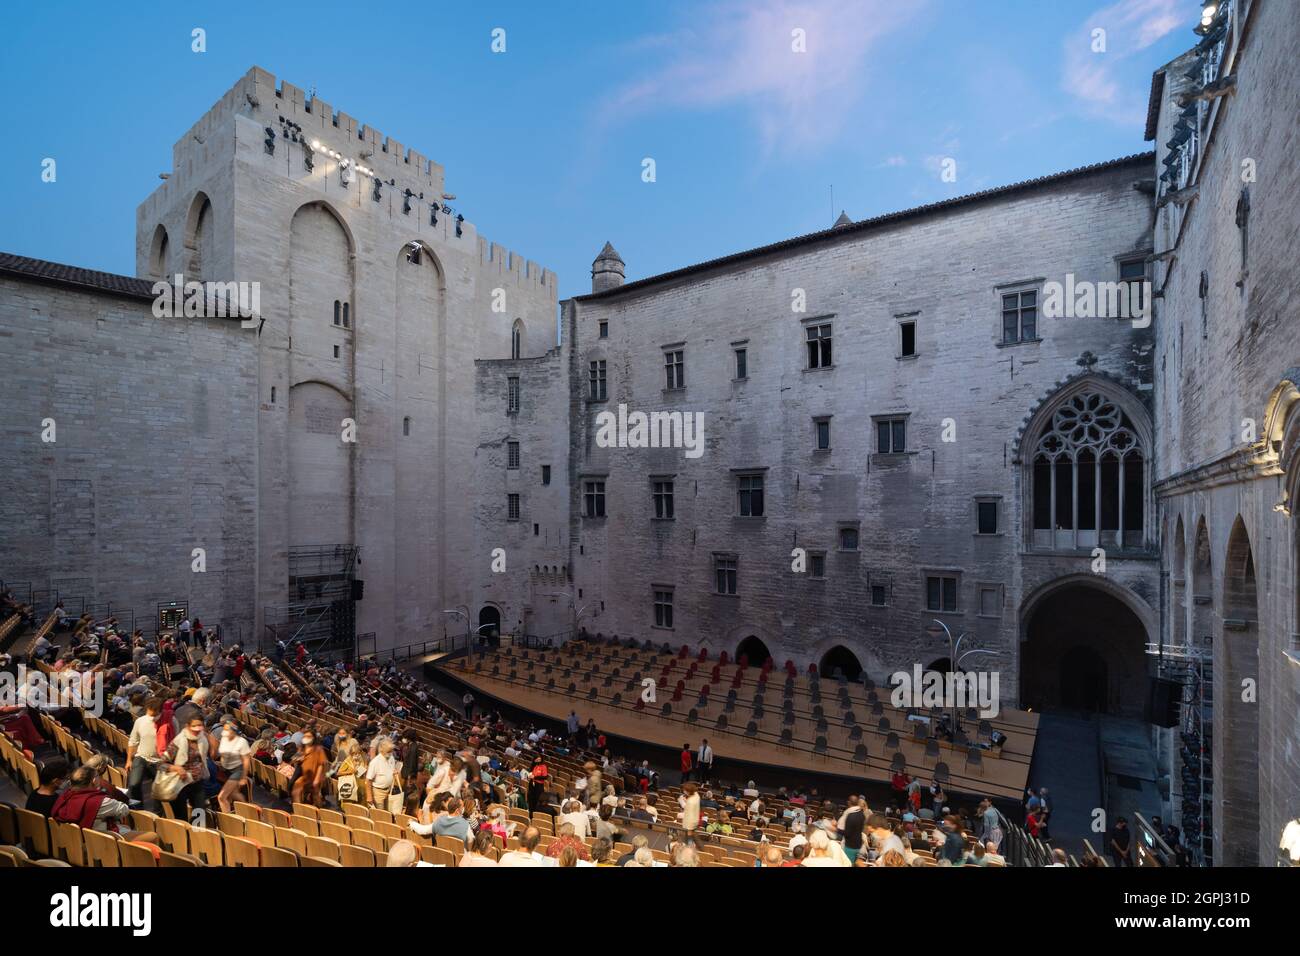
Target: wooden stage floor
x: 1003, y: 775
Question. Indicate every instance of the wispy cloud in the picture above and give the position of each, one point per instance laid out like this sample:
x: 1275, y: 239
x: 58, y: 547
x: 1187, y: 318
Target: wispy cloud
x: 1094, y: 63
x: 745, y: 54
x: 893, y: 161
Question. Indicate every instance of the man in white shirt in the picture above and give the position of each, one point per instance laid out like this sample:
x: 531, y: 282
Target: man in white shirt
x: 704, y: 761
x: 526, y: 854
x: 142, y: 757
x: 382, y: 775
x: 573, y: 813
x: 184, y: 629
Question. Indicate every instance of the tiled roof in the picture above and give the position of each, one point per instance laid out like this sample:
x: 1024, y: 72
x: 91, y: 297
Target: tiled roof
x: 57, y: 272
x: 836, y: 233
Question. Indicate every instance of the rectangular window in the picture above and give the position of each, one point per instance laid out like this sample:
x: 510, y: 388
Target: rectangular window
x: 816, y: 564
x: 594, y: 499
x: 749, y: 491
x: 879, y: 595
x: 1133, y: 274
x: 512, y: 507
x: 546, y: 474
x: 941, y: 592
x: 604, y: 329
x: 822, y: 433
x: 512, y: 454
x: 675, y: 369
x: 724, y: 573
x: 891, y: 435
x: 819, y: 345
x: 742, y: 363
x: 907, y: 331
x: 1020, y: 316
x: 990, y: 601
x: 663, y: 608
x: 512, y: 394
x: 848, y: 539
x: 596, y: 381
x: 336, y: 351
x: 987, y: 516
x: 662, y: 492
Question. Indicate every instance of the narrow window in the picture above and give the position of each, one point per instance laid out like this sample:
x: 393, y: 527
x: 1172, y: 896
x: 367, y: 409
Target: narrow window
x: 546, y: 474
x: 724, y: 573
x: 990, y: 604
x: 908, y: 332
x: 338, y: 312
x: 879, y: 595
x: 675, y: 369
x: 822, y: 434
x: 512, y: 507
x: 406, y: 425
x: 347, y: 315
x: 819, y: 345
x: 596, y: 381
x: 536, y: 529
x: 662, y: 492
x: 1132, y: 277
x: 1020, y: 316
x: 272, y: 394
x: 512, y: 454
x: 987, y: 517
x: 594, y: 499
x: 517, y: 341
x: 604, y: 329
x: 749, y: 492
x: 663, y: 608
x: 817, y: 565
x: 512, y: 394
x: 742, y: 363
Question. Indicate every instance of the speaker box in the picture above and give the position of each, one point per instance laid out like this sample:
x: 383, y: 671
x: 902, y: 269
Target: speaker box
x: 1163, y: 701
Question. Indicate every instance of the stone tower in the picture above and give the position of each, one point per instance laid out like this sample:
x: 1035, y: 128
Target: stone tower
x: 607, y: 270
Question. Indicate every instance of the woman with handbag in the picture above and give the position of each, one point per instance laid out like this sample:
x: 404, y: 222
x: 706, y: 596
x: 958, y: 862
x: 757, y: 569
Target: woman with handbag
x: 180, y: 780
x: 383, y: 778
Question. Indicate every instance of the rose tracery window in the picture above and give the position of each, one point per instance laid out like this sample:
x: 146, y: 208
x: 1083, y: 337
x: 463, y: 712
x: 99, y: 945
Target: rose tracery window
x: 1089, y: 477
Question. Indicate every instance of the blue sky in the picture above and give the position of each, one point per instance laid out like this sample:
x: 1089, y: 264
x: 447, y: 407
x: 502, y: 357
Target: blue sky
x: 544, y: 144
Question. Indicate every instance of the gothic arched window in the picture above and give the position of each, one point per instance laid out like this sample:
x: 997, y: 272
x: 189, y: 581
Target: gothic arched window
x: 517, y: 340
x: 1089, y: 477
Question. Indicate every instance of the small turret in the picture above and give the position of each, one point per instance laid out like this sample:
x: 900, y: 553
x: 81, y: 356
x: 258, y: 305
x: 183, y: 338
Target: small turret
x: 844, y: 220
x: 607, y: 270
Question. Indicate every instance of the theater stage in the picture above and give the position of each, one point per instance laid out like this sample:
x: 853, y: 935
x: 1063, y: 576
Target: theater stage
x: 612, y: 673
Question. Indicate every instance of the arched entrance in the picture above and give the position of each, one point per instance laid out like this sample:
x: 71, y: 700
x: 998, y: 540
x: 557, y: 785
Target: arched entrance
x: 754, y: 650
x: 1084, y: 650
x: 1236, y: 722
x: 489, y: 625
x: 842, y: 659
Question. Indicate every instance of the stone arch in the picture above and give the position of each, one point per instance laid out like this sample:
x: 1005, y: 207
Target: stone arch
x: 842, y: 658
x: 1085, y: 459
x: 1236, y: 721
x: 489, y: 623
x: 755, y: 648
x: 320, y: 466
x: 1083, y: 646
x: 1281, y: 435
x: 159, y: 253
x: 1201, y: 587
x: 199, y: 237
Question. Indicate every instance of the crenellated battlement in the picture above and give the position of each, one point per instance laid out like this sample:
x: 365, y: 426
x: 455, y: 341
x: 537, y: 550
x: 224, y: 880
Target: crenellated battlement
x: 257, y: 94
x: 495, y: 257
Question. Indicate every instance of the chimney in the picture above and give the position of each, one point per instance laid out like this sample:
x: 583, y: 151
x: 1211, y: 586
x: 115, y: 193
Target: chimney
x: 607, y: 270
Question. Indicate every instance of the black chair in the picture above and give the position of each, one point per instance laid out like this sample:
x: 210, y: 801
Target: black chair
x: 572, y: 688
x: 722, y: 722
x: 941, y: 774
x: 883, y: 724
x: 751, y: 729
x: 877, y: 708
x: 850, y: 719
x: 616, y: 700
x: 891, y: 741
x: 592, y: 695
x: 693, y: 716
x: 860, y: 753
x: 667, y: 710
x: 787, y: 738
x: 931, y: 749
x: 855, y: 733
x: 550, y: 684
x: 819, y: 747
x: 898, y: 764
x: 975, y: 759
x: 822, y: 726
x: 789, y: 719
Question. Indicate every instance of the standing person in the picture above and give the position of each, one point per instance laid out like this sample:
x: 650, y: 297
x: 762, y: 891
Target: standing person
x: 851, y: 825
x: 183, y: 629
x: 382, y: 777
x: 690, y: 805
x: 188, y: 756
x: 142, y: 757
x: 704, y: 762
x: 468, y: 701
x: 312, y: 762
x: 595, y: 787
x: 1120, y: 842
x: 572, y: 723
x: 235, y: 757
x: 1046, y: 811
x: 687, y: 762
x: 538, y: 776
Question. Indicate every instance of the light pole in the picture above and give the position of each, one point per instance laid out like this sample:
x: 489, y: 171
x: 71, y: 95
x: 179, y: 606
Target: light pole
x: 577, y: 616
x: 954, y: 661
